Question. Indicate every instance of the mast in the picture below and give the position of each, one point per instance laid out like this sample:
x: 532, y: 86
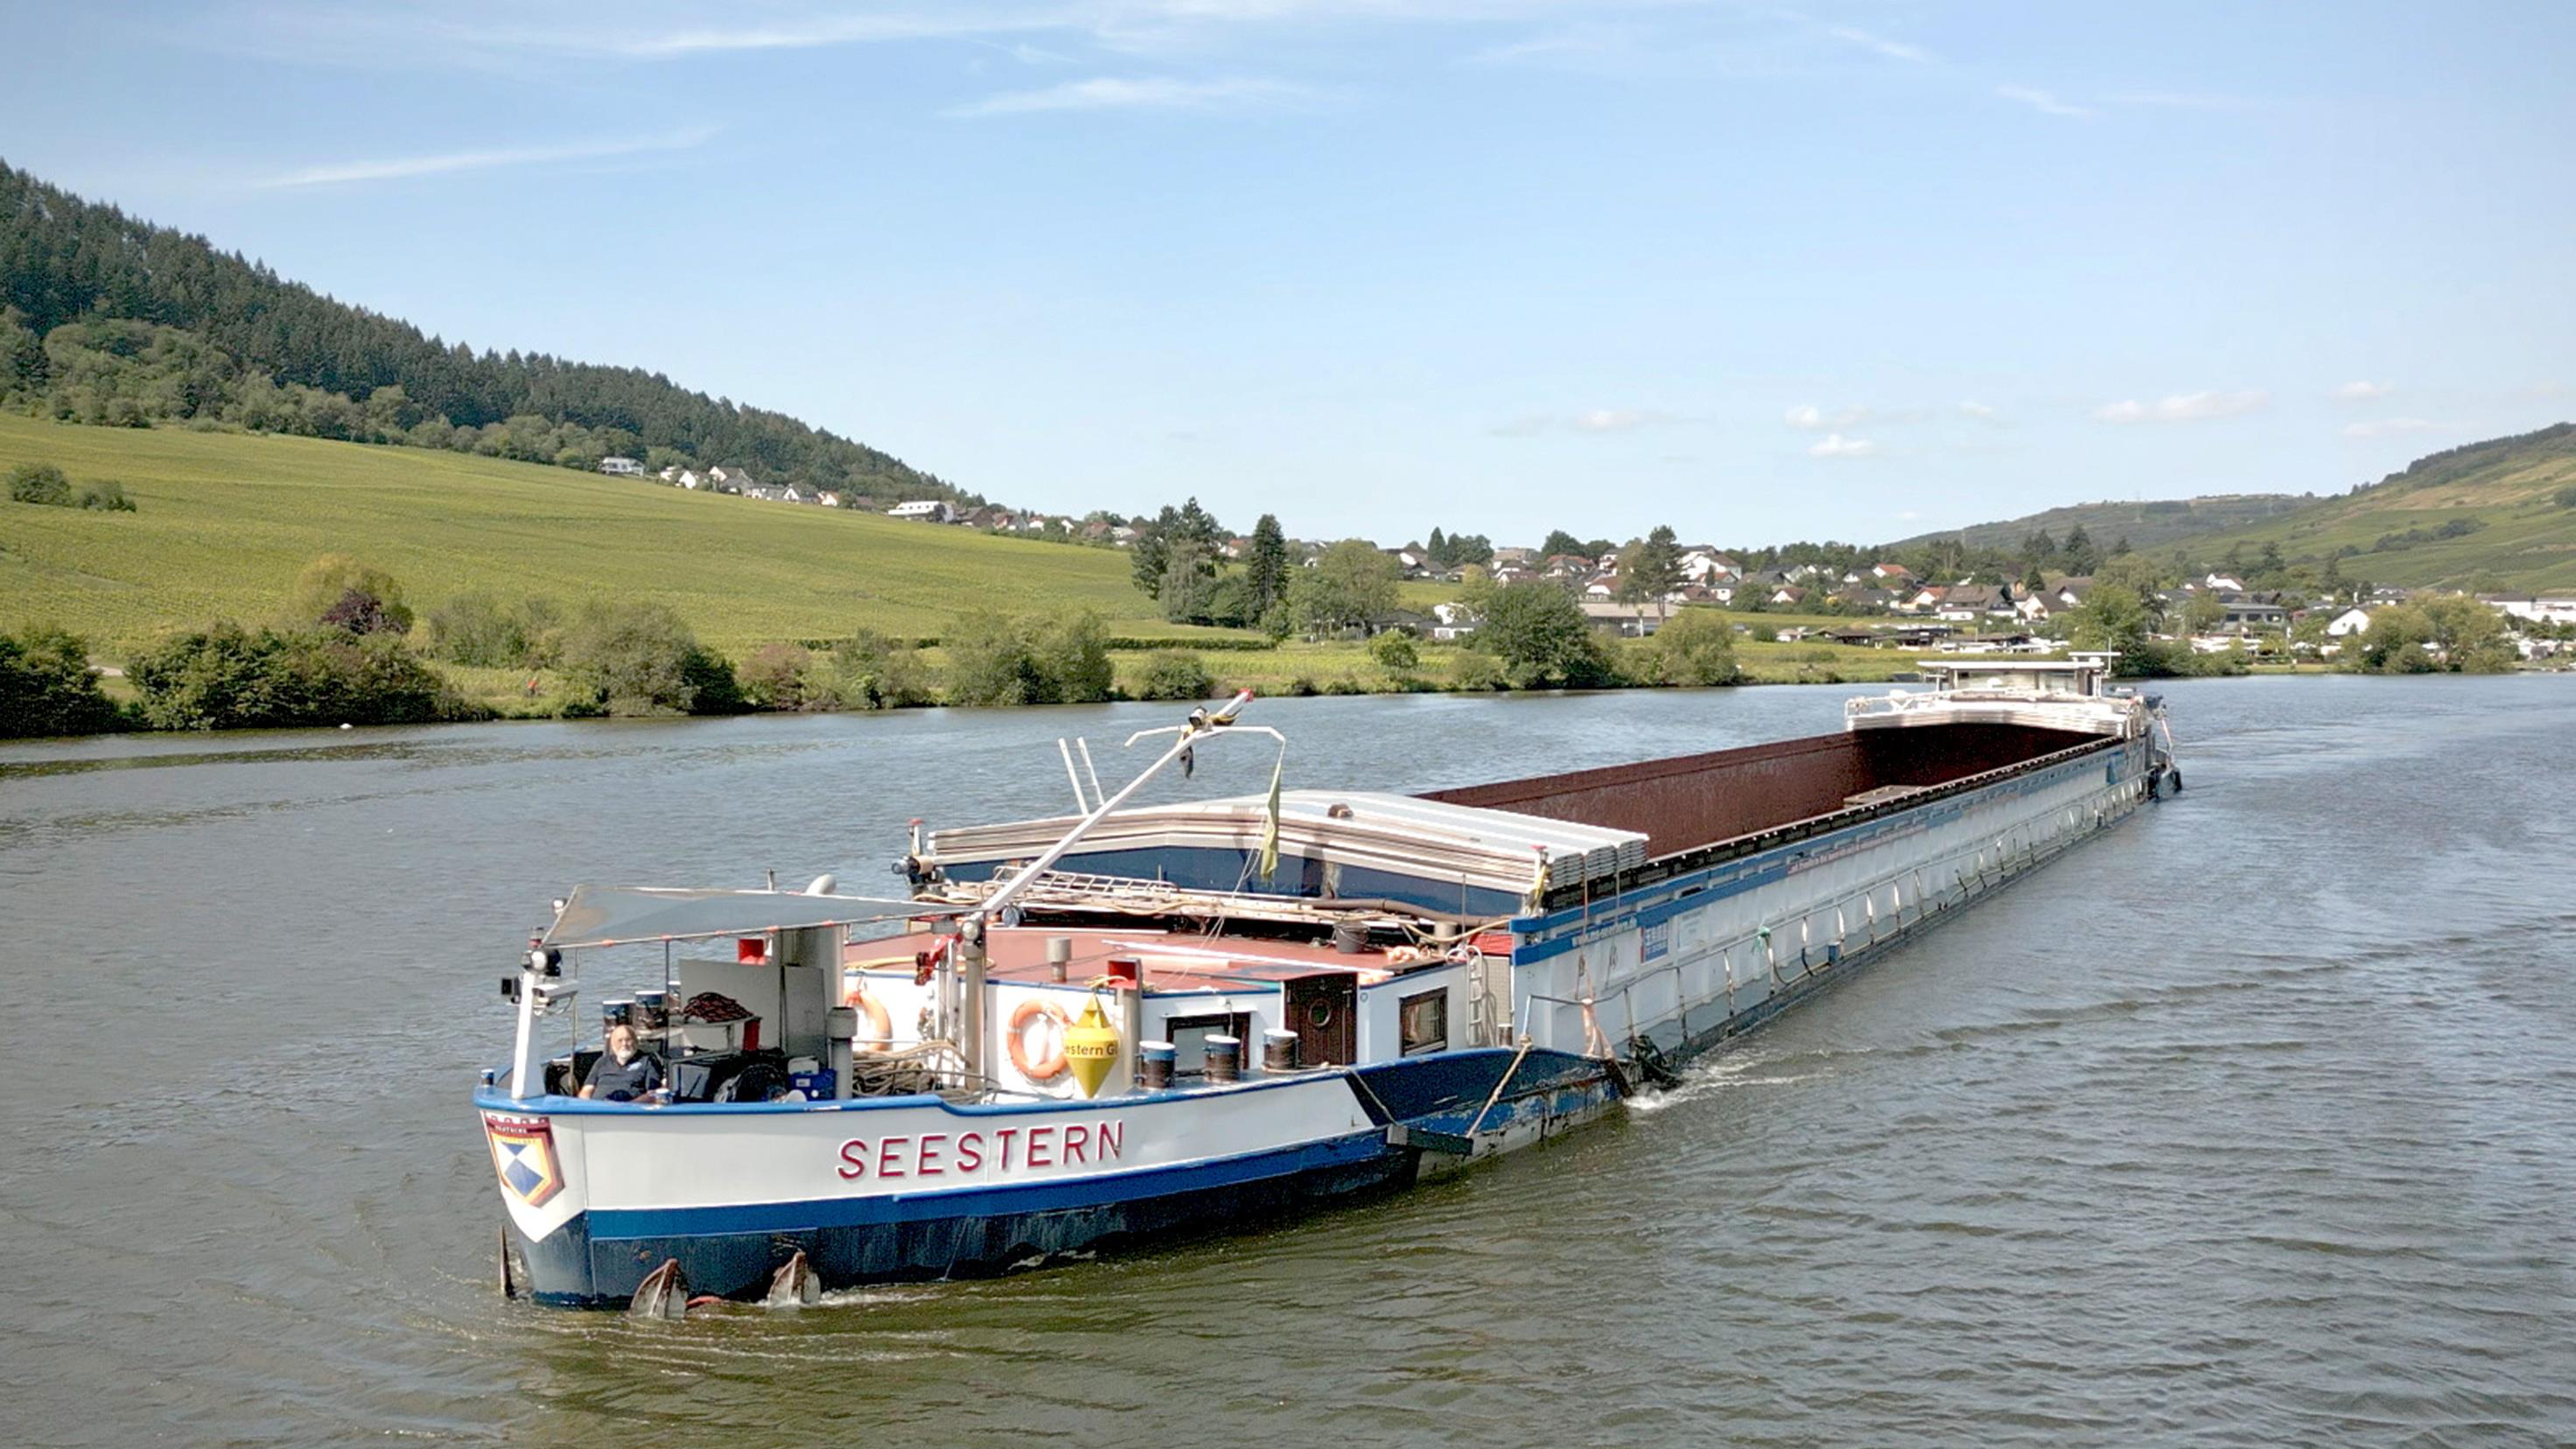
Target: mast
x: 970, y: 928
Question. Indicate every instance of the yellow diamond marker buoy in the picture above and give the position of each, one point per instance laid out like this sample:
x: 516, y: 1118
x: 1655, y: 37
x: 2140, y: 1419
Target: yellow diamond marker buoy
x: 1091, y: 1047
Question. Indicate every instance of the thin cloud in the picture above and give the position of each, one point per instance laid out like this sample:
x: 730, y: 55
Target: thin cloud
x: 802, y: 33
x: 1892, y: 49
x: 1618, y: 420
x: 2389, y: 427
x: 2364, y: 391
x: 1981, y: 412
x: 2045, y: 102
x: 405, y: 167
x: 1809, y: 418
x: 2183, y: 407
x: 1835, y: 445
x: 1111, y: 93
x: 1595, y: 421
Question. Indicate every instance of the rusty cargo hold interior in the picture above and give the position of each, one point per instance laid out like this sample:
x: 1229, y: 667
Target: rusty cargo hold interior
x: 1692, y: 801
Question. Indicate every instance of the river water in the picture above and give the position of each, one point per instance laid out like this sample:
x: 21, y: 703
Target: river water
x: 2253, y: 1121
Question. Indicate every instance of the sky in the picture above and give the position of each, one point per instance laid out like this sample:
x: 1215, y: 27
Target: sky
x: 1852, y: 271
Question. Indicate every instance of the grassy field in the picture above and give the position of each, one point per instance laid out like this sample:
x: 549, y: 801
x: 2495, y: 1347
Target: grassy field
x: 224, y: 521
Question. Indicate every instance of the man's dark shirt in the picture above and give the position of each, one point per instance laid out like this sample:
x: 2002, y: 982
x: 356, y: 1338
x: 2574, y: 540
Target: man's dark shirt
x: 611, y: 1082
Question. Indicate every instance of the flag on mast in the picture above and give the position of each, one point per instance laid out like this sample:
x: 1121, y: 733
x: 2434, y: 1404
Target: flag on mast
x: 1270, y: 826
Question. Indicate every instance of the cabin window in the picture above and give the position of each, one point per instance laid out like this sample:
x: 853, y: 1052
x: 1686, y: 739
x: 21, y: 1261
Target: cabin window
x: 1188, y: 1036
x: 1423, y: 1022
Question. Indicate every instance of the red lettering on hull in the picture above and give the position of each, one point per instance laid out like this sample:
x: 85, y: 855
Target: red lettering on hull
x: 937, y: 1154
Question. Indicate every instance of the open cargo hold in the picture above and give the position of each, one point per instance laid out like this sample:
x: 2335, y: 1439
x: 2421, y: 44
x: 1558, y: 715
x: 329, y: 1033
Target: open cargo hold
x: 1690, y: 802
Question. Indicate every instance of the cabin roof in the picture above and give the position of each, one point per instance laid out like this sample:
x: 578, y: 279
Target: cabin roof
x: 1432, y: 838
x: 595, y: 915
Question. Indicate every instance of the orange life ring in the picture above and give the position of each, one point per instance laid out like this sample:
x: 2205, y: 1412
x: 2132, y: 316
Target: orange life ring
x: 880, y: 1025
x: 1050, y: 1066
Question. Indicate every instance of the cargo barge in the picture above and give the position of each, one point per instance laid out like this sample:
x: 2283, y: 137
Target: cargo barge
x: 1080, y: 1032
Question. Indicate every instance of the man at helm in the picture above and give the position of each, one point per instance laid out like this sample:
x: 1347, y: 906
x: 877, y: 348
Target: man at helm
x: 623, y: 1073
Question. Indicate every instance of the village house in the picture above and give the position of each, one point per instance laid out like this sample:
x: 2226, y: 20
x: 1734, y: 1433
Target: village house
x: 731, y: 480
x: 1514, y: 557
x: 2533, y: 609
x: 2248, y: 612
x: 1708, y: 566
x: 679, y: 477
x: 1966, y: 603
x: 1893, y: 575
x: 1629, y: 621
x: 621, y: 467
x: 923, y: 510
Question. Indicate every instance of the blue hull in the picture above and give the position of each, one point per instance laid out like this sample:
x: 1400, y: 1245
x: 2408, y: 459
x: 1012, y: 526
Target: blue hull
x: 598, y: 1258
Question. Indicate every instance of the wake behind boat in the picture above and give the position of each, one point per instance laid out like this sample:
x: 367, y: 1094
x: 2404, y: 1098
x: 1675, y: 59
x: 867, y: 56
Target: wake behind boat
x: 1129, y: 1023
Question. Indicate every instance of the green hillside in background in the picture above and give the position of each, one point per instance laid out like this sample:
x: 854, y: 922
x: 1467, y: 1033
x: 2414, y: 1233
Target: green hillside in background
x: 2498, y: 515
x: 2148, y: 526
x: 105, y: 318
x: 223, y: 522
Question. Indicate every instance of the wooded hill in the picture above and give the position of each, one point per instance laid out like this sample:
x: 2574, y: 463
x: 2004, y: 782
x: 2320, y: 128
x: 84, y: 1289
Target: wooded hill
x: 108, y: 319
x: 2497, y: 516
x: 2148, y: 526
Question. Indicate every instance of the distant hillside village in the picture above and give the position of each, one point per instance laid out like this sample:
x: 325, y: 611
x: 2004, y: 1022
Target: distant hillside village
x: 2257, y: 610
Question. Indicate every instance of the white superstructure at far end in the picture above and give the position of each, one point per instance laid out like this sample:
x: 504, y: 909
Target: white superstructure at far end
x: 2072, y: 693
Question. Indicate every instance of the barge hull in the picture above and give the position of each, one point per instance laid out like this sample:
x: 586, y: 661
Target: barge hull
x: 1749, y: 880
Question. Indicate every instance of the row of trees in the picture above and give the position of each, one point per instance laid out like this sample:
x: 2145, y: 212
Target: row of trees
x: 2456, y: 633
x: 220, y: 338
x: 1178, y: 560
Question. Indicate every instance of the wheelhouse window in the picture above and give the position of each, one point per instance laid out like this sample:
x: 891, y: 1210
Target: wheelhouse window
x: 1423, y: 1022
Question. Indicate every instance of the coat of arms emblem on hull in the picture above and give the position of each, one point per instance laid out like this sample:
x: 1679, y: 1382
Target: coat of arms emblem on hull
x: 523, y: 1152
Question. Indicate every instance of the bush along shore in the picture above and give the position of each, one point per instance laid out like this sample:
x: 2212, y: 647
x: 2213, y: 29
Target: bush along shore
x: 345, y: 646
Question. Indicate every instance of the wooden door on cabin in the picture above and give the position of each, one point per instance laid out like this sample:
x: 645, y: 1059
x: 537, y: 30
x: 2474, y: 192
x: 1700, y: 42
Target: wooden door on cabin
x: 1324, y: 1011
